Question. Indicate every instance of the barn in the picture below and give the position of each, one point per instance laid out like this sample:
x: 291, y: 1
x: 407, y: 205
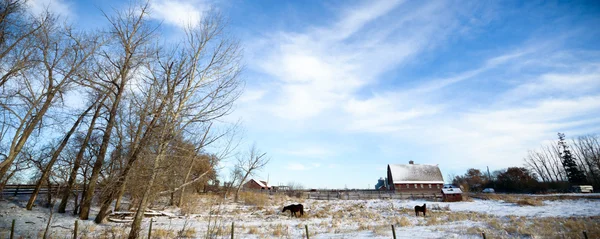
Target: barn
x: 414, y: 178
x: 257, y: 184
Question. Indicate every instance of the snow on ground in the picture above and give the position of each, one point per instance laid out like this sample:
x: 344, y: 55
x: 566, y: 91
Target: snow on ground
x: 555, y: 208
x: 325, y: 219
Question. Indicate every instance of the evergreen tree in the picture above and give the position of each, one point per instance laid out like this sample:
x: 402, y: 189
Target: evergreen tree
x: 574, y: 175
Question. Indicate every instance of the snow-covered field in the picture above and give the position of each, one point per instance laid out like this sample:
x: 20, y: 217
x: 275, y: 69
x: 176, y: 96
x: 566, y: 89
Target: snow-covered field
x: 333, y: 219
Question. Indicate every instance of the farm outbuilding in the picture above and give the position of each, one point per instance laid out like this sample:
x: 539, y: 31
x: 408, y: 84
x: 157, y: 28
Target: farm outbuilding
x: 451, y: 194
x: 414, y: 178
x: 257, y: 184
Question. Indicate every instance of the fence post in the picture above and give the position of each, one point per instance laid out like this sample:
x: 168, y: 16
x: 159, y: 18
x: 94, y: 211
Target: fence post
x: 12, y: 229
x: 150, y: 229
x: 306, y: 227
x: 584, y: 233
x: 232, y: 229
x: 393, y: 231
x: 483, y: 234
x: 17, y: 191
x: 75, y: 231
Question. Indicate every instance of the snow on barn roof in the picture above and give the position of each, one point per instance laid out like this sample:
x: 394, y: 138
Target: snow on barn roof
x: 415, y: 173
x: 451, y: 191
x: 261, y: 183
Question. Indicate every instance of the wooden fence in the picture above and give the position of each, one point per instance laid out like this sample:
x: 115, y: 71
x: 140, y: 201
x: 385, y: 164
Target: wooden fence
x: 367, y: 194
x: 24, y: 189
x: 349, y: 194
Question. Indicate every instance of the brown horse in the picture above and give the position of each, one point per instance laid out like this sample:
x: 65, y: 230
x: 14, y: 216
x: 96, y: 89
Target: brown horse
x: 293, y: 209
x: 421, y: 209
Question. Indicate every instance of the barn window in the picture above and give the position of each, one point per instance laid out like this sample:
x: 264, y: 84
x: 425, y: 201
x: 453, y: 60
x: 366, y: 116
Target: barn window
x: 407, y: 185
x: 415, y: 185
x: 421, y: 185
x: 438, y: 186
x: 430, y: 185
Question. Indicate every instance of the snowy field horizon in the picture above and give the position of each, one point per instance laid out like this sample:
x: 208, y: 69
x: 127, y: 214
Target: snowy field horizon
x: 210, y: 216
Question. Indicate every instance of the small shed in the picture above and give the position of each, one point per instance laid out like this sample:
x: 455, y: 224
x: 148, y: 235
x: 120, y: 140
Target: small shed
x: 451, y: 194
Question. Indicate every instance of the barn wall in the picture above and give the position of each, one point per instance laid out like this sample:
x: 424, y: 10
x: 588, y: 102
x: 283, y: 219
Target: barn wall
x: 252, y: 185
x: 410, y: 187
x: 452, y: 197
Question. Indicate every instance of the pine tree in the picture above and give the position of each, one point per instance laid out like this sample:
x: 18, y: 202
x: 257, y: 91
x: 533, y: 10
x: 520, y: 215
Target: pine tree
x: 574, y: 175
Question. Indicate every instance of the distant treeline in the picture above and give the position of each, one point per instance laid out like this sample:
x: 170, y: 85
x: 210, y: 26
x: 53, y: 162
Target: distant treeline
x: 552, y: 168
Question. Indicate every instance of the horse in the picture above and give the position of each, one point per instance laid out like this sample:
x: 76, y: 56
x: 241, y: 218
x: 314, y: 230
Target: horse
x: 421, y: 209
x: 293, y: 209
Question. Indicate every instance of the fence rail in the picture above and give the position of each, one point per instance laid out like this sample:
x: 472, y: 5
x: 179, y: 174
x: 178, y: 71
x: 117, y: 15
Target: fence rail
x: 349, y: 194
x: 24, y: 189
x: 368, y: 194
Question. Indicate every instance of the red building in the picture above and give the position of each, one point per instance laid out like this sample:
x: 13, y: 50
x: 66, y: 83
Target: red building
x: 257, y: 184
x: 451, y: 194
x: 415, y: 178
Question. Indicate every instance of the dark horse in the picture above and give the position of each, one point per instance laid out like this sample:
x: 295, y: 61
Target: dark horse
x: 421, y: 209
x: 294, y: 208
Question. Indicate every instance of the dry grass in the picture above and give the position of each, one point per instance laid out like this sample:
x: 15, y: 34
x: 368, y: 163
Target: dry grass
x: 279, y: 230
x: 260, y: 200
x: 529, y: 202
x: 163, y: 233
x: 381, y: 230
x: 521, y: 200
x: 433, y: 220
x: 403, y: 221
x: 436, y: 207
x: 195, y: 203
x: 253, y: 230
x: 188, y: 233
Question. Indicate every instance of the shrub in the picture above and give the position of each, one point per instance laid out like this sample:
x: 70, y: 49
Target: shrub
x: 255, y: 199
x: 403, y: 222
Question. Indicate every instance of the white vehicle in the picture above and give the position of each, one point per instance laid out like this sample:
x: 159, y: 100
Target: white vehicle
x: 488, y: 190
x: 582, y: 189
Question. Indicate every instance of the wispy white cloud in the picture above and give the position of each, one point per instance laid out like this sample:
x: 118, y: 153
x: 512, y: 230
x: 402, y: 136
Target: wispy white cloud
x: 324, y: 80
x: 320, y: 70
x: 179, y: 13
x: 60, y: 7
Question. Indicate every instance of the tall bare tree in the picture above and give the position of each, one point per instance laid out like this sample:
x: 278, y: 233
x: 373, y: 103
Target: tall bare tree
x: 79, y: 157
x: 202, y: 82
x: 60, y: 54
x: 248, y: 164
x: 130, y: 36
x: 55, y: 155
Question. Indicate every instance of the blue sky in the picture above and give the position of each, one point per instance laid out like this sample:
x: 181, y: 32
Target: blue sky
x: 336, y: 90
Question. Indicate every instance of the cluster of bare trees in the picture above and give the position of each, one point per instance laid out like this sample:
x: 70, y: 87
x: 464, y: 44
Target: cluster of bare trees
x: 548, y: 162
x: 145, y: 114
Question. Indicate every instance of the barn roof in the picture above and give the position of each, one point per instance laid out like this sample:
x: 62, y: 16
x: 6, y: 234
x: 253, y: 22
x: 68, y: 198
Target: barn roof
x: 261, y: 183
x: 415, y: 173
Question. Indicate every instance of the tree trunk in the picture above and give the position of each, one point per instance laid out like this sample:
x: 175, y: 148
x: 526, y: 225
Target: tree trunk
x: 139, y: 214
x: 55, y: 155
x: 15, y: 149
x: 89, y: 194
x: 120, y: 196
x: 77, y: 164
x: 237, y: 191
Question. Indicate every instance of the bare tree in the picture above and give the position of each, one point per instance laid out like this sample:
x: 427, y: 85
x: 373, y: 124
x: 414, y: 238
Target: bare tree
x: 79, y: 157
x: 248, y: 164
x: 130, y: 35
x: 61, y: 53
x: 201, y: 79
x: 16, y: 38
x: 55, y: 154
